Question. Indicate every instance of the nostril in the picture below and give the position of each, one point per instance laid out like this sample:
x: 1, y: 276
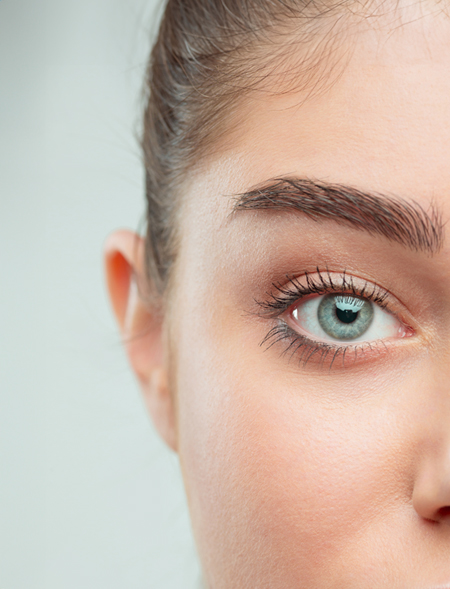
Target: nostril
x: 444, y: 514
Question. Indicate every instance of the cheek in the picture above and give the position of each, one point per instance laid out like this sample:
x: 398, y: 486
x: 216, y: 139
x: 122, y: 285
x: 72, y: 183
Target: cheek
x: 280, y: 482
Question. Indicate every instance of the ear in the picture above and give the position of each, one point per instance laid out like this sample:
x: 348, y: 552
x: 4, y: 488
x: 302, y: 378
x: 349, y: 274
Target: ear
x: 141, y: 326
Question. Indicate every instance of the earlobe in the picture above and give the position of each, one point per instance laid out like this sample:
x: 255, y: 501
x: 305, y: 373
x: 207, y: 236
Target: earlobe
x: 141, y: 327
x: 160, y: 404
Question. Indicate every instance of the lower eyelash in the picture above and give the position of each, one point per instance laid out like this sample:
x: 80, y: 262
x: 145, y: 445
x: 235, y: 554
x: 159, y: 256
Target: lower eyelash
x: 307, y: 348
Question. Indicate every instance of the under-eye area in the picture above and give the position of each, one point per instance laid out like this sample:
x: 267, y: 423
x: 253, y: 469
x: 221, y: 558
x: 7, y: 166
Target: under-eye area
x: 332, y: 319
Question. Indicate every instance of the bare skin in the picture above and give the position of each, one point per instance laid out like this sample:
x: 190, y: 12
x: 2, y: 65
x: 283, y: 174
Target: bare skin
x: 311, y: 474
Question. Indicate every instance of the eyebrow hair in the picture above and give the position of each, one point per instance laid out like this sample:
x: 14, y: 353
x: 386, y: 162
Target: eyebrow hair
x: 404, y: 222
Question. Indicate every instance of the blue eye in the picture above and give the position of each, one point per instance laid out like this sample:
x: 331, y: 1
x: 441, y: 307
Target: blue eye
x: 344, y: 318
x: 327, y: 312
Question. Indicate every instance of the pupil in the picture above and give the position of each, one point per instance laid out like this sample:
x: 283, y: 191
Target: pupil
x: 346, y: 316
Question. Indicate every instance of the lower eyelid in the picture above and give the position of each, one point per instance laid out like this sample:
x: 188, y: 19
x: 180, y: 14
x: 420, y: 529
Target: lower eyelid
x: 326, y: 355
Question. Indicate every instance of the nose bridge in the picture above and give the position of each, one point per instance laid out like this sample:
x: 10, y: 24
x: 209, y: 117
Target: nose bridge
x: 431, y: 494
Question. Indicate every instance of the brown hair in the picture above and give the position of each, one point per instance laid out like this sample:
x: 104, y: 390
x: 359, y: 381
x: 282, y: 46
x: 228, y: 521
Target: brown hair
x: 207, y: 55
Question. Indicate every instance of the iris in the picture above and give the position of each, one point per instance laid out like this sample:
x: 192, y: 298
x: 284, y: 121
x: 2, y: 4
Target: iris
x: 345, y: 317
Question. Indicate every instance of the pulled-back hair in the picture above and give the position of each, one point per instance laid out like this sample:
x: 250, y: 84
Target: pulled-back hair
x: 208, y: 55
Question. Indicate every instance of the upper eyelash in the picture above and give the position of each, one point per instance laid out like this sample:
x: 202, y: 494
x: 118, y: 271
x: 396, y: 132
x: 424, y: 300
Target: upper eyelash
x: 322, y: 283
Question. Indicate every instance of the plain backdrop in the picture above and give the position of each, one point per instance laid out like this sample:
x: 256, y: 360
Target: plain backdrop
x: 89, y: 496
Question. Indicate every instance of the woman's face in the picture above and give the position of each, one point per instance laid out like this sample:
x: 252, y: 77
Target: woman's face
x: 321, y: 458
x: 309, y: 323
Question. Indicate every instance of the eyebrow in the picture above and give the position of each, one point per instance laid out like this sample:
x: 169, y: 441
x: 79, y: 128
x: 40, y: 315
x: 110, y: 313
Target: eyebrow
x: 396, y: 219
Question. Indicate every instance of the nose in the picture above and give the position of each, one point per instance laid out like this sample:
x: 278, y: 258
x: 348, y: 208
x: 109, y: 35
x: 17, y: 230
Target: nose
x: 431, y: 495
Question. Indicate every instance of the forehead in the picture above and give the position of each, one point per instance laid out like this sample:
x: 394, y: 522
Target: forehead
x: 382, y: 122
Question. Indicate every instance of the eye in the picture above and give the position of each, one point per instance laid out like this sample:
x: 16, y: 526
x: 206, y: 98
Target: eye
x: 344, y: 318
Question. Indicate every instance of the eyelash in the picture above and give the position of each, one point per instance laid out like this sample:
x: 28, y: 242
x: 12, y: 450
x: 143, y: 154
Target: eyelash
x: 284, y: 296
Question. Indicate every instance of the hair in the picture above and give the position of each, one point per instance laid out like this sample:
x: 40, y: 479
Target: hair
x: 209, y: 55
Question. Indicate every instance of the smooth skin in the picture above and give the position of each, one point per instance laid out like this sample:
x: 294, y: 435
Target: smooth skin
x: 308, y: 475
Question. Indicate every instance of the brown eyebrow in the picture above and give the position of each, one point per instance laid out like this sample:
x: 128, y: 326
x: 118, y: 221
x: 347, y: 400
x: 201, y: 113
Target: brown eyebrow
x: 404, y: 222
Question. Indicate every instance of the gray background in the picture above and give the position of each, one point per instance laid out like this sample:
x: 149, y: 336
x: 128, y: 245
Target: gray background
x: 89, y: 496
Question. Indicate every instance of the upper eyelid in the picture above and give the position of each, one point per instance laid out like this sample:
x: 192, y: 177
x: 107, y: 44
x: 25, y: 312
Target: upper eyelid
x: 321, y: 282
